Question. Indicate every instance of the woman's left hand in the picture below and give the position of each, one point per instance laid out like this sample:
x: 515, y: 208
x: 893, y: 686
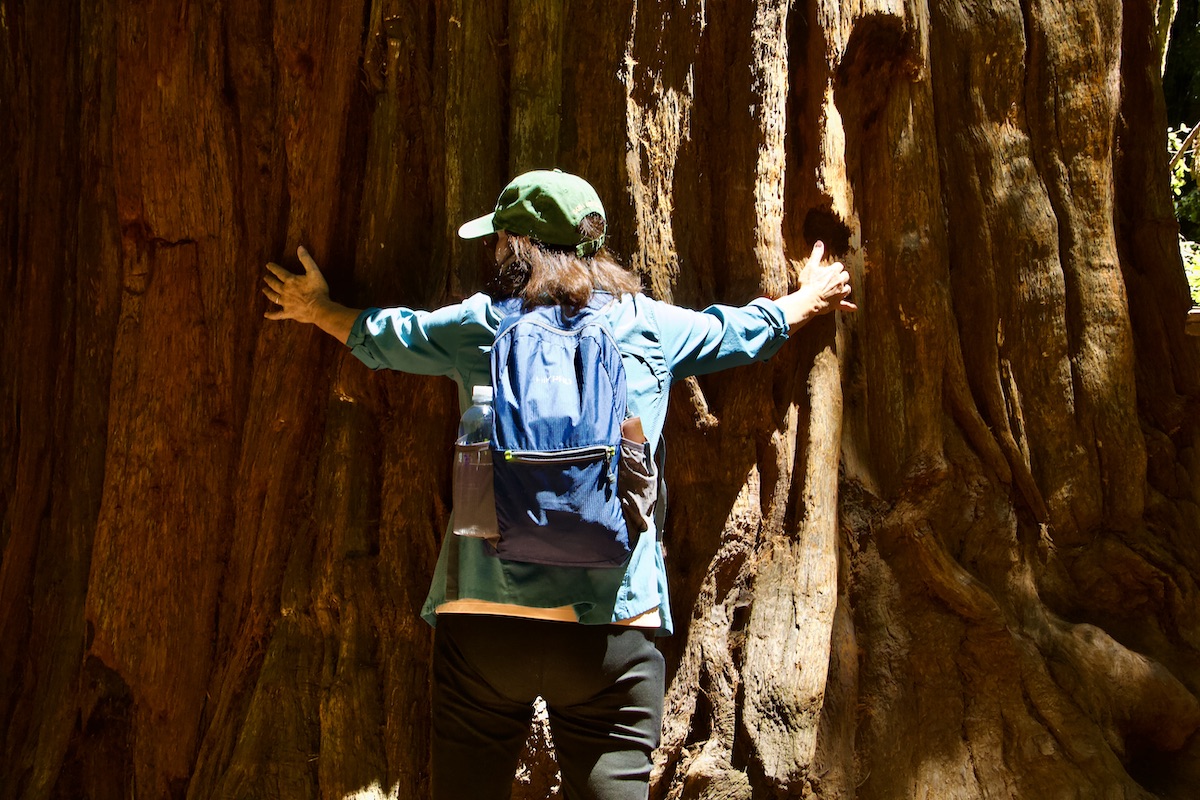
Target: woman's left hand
x: 823, y: 288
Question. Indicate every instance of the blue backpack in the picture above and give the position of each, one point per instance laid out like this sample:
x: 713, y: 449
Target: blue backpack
x: 559, y: 399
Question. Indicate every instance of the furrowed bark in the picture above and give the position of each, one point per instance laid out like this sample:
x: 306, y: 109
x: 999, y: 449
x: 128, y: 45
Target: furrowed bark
x: 942, y: 547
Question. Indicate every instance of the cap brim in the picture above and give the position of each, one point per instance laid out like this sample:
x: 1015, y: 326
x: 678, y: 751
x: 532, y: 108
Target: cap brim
x: 481, y: 226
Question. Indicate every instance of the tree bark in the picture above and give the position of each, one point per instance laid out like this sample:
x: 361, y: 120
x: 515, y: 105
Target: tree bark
x: 943, y: 547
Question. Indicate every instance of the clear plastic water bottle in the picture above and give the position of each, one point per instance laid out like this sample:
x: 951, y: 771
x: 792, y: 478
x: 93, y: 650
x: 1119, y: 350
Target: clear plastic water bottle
x: 476, y: 423
x: 474, y: 494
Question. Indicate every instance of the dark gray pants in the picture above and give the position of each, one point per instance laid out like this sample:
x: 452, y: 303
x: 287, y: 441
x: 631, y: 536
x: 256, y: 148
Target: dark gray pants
x: 603, y: 686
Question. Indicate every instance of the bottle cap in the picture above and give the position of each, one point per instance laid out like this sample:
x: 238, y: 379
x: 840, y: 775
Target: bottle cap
x: 481, y: 394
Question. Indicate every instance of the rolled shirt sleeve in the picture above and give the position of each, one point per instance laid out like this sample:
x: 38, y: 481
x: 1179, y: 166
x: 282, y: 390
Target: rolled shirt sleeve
x: 420, y: 342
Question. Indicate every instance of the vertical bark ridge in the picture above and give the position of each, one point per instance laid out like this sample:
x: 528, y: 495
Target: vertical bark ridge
x: 660, y: 91
x: 49, y: 442
x: 476, y: 144
x: 1074, y: 141
x: 536, y: 42
x: 984, y: 134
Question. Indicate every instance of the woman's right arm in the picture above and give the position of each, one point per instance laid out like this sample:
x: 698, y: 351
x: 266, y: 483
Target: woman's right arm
x: 305, y: 298
x: 420, y: 342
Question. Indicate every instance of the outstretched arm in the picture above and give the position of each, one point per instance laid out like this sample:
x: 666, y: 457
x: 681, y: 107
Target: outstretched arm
x: 823, y: 288
x: 305, y: 298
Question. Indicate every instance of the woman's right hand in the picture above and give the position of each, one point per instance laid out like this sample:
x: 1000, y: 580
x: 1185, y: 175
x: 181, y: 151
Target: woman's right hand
x: 305, y: 298
x: 298, y: 297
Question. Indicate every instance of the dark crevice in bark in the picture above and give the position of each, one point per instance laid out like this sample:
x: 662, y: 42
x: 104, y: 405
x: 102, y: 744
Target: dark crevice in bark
x: 99, y: 758
x: 824, y: 225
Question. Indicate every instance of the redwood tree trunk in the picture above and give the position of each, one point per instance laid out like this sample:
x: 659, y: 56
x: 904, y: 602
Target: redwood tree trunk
x: 945, y: 547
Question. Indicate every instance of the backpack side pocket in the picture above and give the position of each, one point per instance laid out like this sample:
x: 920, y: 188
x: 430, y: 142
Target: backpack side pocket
x: 474, y: 492
x: 637, y: 485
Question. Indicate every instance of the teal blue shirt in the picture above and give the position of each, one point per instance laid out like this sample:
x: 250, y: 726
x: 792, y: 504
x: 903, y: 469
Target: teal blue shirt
x: 659, y: 343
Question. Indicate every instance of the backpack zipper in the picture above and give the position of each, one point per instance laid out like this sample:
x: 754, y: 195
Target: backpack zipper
x: 573, y: 455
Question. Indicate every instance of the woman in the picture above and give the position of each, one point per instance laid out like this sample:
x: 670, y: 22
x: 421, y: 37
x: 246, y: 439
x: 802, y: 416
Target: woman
x: 508, y: 631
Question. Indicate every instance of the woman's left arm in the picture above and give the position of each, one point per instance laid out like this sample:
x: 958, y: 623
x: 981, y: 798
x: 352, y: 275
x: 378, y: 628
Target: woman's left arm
x: 823, y: 288
x: 720, y: 336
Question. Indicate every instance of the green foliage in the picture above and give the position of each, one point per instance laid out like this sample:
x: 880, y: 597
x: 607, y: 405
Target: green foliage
x: 1186, y: 193
x: 1191, y: 265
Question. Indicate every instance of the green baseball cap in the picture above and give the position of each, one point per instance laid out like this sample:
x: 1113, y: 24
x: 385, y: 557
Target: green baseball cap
x: 545, y: 205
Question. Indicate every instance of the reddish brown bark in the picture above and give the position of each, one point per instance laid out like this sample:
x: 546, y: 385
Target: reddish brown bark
x: 944, y: 547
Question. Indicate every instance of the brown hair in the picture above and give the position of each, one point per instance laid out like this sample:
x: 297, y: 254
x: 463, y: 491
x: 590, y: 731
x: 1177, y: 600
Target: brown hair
x: 545, y: 275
